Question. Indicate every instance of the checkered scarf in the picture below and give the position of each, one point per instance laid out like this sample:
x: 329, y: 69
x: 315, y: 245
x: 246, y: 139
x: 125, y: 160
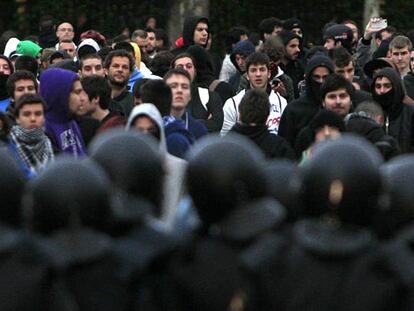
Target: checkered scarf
x: 32, y: 146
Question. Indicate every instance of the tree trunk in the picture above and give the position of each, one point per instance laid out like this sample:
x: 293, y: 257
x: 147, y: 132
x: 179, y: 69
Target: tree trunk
x: 372, y: 9
x: 179, y: 10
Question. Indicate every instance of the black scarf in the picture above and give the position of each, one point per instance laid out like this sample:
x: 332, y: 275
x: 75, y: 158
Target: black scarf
x: 33, y: 147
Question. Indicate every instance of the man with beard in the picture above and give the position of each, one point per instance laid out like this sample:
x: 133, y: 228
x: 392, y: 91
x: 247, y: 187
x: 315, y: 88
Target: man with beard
x: 150, y: 47
x: 290, y: 63
x: 119, y: 65
x: 300, y: 112
x: 388, y: 91
x: 336, y: 94
x: 64, y: 95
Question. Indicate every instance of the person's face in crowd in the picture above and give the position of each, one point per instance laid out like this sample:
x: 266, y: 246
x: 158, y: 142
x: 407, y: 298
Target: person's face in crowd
x: 412, y: 60
x: 119, y: 71
x: 142, y: 43
x: 22, y: 87
x: 150, y: 42
x: 327, y: 132
x: 56, y: 60
x: 69, y: 47
x: 347, y: 71
x: 89, y: 105
x: 258, y: 76
x: 4, y: 67
x: 241, y: 62
x: 186, y: 63
x: 160, y: 44
x: 329, y: 44
x: 145, y: 125
x: 181, y: 91
x: 297, y: 31
x: 401, y: 58
x: 354, y: 32
x: 201, y: 34
x: 385, y: 34
x: 276, y: 31
x: 151, y: 23
x: 319, y: 74
x: 77, y: 98
x: 92, y: 66
x: 293, y: 49
x: 338, y: 101
x: 244, y: 37
x: 382, y: 85
x: 31, y: 116
x: 65, y: 32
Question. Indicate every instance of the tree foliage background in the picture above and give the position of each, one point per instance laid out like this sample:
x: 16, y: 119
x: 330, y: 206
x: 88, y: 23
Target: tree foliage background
x: 111, y: 17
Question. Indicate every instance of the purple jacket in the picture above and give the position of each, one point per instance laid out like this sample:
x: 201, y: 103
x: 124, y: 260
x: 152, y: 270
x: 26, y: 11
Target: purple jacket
x: 64, y: 133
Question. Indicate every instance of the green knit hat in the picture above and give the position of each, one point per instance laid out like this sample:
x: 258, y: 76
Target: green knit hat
x: 28, y: 48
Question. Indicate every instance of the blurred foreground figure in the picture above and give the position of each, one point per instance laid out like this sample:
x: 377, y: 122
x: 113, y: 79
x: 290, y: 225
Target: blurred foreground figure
x: 330, y: 260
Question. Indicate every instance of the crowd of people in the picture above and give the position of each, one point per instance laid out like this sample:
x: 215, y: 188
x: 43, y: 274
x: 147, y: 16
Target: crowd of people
x: 139, y: 174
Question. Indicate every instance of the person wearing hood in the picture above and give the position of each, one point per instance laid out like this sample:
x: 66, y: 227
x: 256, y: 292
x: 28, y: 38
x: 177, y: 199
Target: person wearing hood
x: 336, y: 97
x: 11, y: 46
x: 291, y: 64
x: 195, y: 31
x: 205, y: 73
x: 87, y: 47
x: 295, y: 25
x: 206, y: 106
x: 300, y: 112
x: 388, y: 91
x: 6, y: 69
x: 254, y: 110
x: 238, y: 57
x: 147, y: 119
x: 258, y: 73
x: 62, y: 91
x: 178, y: 138
x: 235, y: 35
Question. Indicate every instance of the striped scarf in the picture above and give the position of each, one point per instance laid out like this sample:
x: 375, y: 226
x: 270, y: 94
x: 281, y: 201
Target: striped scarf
x: 33, y: 147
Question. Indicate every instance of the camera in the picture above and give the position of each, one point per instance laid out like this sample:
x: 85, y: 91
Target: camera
x: 379, y: 24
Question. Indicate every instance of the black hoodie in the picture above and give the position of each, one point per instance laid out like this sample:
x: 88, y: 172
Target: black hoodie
x: 398, y: 115
x: 300, y: 112
x: 190, y: 24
